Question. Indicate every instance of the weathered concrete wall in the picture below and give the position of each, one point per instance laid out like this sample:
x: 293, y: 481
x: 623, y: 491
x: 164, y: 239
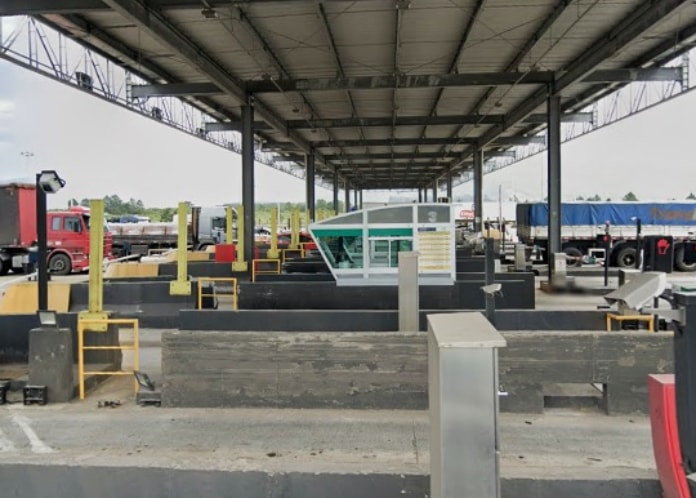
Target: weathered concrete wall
x: 356, y: 370
x: 619, y: 360
x: 44, y: 481
x: 389, y: 370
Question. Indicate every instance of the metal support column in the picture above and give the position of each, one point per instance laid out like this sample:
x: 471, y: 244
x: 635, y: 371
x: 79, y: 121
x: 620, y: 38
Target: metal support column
x: 490, y: 280
x: 42, y: 266
x: 435, y: 191
x: 95, y: 308
x: 335, y: 193
x: 420, y: 195
x: 355, y: 199
x: 346, y: 207
x: 309, y: 178
x: 229, y: 225
x: 360, y: 204
x: 478, y: 189
x: 273, y: 252
x: 554, y: 176
x: 181, y: 286
x: 449, y: 186
x: 248, y: 177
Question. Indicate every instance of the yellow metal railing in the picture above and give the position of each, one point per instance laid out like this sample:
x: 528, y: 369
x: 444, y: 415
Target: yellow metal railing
x: 648, y: 319
x: 216, y: 294
x: 293, y: 253
x: 84, y: 326
x: 264, y: 271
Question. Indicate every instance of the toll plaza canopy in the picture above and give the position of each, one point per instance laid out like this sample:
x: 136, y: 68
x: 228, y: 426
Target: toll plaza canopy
x: 381, y: 93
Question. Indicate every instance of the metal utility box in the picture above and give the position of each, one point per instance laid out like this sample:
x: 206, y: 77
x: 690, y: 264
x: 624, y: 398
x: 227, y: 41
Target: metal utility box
x: 658, y: 253
x: 463, y: 396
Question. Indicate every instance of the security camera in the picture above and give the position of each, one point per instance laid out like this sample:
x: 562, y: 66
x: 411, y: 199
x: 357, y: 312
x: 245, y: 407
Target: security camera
x: 491, y: 289
x: 50, y: 182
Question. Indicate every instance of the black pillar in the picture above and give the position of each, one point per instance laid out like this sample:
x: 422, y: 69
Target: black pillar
x: 435, y: 191
x: 355, y: 198
x: 309, y: 177
x: 248, y: 177
x: 335, y: 192
x: 347, y: 197
x: 420, y: 195
x: 478, y: 189
x: 42, y: 268
x: 449, y: 185
x: 361, y: 197
x: 554, y: 176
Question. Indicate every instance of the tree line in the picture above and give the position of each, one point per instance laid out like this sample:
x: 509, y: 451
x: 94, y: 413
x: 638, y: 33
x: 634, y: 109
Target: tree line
x: 629, y: 197
x: 115, y: 206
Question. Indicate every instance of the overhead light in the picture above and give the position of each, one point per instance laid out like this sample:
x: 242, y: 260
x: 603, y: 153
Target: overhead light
x: 209, y: 13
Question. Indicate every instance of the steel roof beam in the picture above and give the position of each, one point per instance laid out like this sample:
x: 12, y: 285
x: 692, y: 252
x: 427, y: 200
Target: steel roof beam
x: 398, y: 81
x: 234, y: 125
x: 175, y: 90
x: 630, y: 75
x: 624, y: 32
x: 387, y: 121
x: 390, y: 155
x: 572, y: 117
x: 157, y: 26
x: 396, y: 142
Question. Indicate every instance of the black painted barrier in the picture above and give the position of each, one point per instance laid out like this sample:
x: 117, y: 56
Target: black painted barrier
x: 462, y: 295
x: 473, y: 264
x: 550, y: 320
x: 14, y: 339
x: 202, y: 269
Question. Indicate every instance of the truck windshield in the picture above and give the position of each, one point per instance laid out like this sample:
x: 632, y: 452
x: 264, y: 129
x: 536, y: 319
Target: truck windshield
x: 86, y: 220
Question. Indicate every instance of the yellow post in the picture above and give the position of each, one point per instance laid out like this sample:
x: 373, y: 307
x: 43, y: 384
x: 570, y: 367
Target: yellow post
x: 229, y: 229
x: 181, y: 286
x: 95, y: 309
x: 295, y: 230
x: 240, y: 264
x: 273, y: 252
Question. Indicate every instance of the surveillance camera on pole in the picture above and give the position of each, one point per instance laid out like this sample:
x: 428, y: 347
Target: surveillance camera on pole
x: 50, y: 182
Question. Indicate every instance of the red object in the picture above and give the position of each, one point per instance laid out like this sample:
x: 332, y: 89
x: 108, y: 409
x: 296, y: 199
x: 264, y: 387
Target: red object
x: 665, y: 436
x: 225, y: 253
x: 662, y: 246
x: 26, y: 202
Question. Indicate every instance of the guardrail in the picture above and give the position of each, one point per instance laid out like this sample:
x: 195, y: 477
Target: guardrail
x: 257, y: 271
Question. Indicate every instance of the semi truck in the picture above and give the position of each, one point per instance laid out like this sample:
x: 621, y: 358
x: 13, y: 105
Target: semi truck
x: 206, y: 226
x: 584, y: 225
x: 67, y: 233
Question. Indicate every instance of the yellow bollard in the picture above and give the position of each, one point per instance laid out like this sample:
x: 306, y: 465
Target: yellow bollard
x: 95, y: 311
x: 273, y: 252
x: 295, y: 230
x: 240, y: 264
x: 181, y: 286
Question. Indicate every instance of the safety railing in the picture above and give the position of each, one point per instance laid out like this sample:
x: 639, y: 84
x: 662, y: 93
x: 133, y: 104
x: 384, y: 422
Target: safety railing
x: 274, y: 269
x: 286, y: 254
x: 217, y: 292
x: 649, y: 320
x: 83, y: 326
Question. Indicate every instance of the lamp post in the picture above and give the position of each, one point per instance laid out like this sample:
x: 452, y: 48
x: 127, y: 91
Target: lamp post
x: 47, y: 182
x: 638, y: 230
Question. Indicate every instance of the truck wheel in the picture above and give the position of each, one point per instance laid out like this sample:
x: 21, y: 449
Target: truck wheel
x: 4, y: 267
x: 573, y: 256
x: 679, y: 260
x: 626, y: 257
x: 60, y: 264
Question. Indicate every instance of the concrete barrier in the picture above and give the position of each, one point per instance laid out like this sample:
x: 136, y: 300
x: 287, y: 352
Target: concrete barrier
x: 388, y: 370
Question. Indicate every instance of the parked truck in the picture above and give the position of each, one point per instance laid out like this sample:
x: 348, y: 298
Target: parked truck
x: 583, y: 226
x: 67, y: 233
x: 206, y: 226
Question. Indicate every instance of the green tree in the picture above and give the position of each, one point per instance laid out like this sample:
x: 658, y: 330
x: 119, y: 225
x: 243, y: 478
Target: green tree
x: 579, y: 198
x: 630, y: 197
x: 594, y: 198
x: 691, y: 197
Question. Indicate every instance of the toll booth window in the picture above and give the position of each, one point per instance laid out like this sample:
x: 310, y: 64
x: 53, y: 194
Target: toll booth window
x: 348, y: 219
x: 434, y: 214
x: 55, y: 224
x: 403, y: 214
x: 342, y: 251
x: 72, y: 225
x: 384, y: 253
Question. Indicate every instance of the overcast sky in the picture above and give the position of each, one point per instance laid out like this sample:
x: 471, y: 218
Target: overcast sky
x: 101, y: 149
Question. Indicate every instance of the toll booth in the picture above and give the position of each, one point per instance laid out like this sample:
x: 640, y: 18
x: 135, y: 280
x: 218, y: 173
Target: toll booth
x: 362, y: 247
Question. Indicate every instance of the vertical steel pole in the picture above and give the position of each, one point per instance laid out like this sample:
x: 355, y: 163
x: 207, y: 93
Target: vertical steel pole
x: 309, y: 179
x: 490, y: 279
x: 335, y: 193
x: 420, y: 195
x: 554, y: 176
x: 96, y: 256
x: 355, y: 198
x: 42, y: 269
x: 449, y: 185
x: 347, y: 198
x: 229, y: 228
x: 435, y: 191
x: 248, y: 177
x: 181, y: 286
x: 478, y: 189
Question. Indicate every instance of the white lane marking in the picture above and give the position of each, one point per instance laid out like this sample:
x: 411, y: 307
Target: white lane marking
x: 5, y: 443
x: 37, y: 446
